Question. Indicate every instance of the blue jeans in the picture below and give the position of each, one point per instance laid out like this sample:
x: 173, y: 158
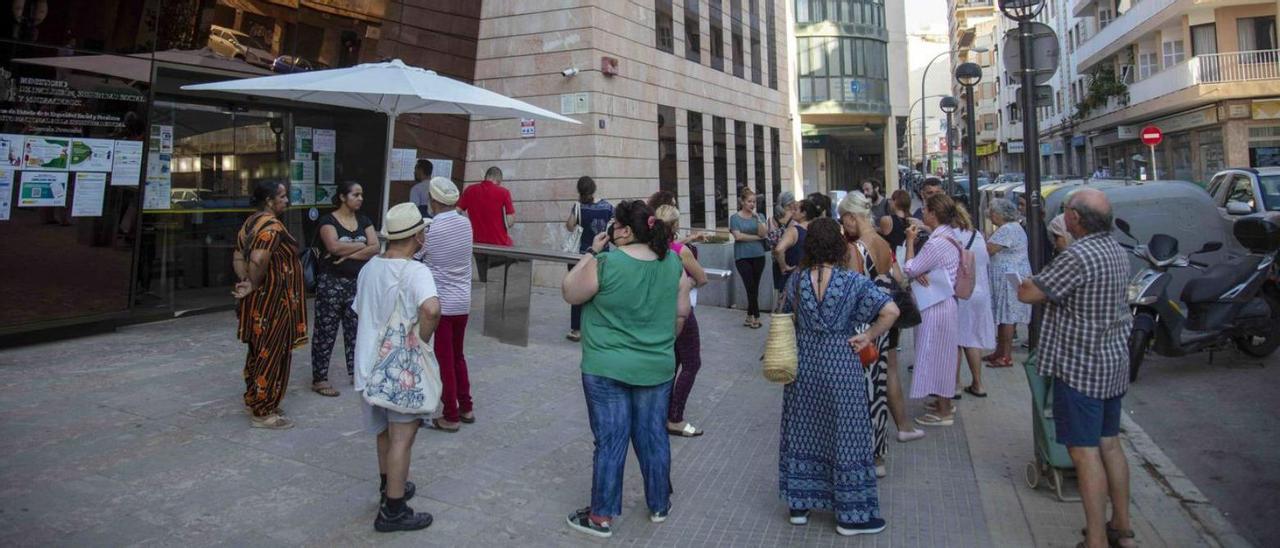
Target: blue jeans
x: 620, y: 412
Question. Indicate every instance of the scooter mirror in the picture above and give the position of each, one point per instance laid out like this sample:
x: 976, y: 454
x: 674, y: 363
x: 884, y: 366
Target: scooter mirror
x: 1210, y: 247
x: 1123, y: 225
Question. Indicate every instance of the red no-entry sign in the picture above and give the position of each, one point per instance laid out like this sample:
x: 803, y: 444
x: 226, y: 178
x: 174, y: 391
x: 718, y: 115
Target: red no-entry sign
x: 1151, y: 136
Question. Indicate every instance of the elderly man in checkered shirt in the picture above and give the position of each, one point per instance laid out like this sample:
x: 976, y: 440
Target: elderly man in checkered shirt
x: 1083, y: 347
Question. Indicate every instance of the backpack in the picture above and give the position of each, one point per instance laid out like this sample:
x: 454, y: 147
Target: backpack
x: 405, y: 377
x: 966, y: 275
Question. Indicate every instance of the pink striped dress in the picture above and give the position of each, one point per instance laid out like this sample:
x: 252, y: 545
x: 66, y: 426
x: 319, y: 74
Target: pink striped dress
x: 937, y: 339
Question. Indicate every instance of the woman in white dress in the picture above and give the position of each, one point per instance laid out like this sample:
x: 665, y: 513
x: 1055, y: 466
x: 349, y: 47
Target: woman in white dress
x: 976, y: 322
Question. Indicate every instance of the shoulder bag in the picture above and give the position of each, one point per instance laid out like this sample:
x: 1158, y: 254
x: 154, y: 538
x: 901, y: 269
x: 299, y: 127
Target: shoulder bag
x: 405, y: 377
x: 572, y: 242
x: 781, y: 359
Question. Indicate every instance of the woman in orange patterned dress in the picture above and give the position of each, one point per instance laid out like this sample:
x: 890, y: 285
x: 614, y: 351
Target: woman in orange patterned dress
x: 272, y: 306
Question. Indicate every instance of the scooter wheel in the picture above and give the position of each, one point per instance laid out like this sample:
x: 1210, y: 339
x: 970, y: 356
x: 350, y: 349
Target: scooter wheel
x: 1261, y: 346
x: 1139, y: 340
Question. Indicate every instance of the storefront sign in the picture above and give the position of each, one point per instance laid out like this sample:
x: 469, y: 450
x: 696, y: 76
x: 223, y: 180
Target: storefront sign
x: 126, y: 165
x: 1059, y: 146
x: 1014, y: 147
x: 43, y: 189
x: 6, y: 191
x: 89, y: 192
x: 1268, y: 109
x: 988, y: 149
x: 1238, y: 111
x: 1125, y: 133
x: 1188, y: 120
x: 1077, y: 141
x: 1046, y: 149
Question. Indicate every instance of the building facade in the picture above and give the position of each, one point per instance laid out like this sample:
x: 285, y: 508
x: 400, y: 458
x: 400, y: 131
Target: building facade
x: 113, y: 167
x: 1204, y: 72
x: 852, y: 100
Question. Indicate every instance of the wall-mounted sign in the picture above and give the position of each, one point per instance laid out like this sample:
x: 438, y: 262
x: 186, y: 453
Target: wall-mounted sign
x: 1014, y: 147
x: 527, y: 128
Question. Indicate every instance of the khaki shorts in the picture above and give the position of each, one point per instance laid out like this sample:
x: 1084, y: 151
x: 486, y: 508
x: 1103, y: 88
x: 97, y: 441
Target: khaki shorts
x: 377, y: 418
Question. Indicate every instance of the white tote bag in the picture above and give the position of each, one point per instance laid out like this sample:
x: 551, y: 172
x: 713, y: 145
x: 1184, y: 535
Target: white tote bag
x: 574, y: 239
x: 405, y: 377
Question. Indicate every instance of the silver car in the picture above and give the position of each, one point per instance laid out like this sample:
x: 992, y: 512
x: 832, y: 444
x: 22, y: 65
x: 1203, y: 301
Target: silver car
x: 234, y: 44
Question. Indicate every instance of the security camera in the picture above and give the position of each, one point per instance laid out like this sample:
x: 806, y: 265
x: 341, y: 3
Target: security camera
x: 569, y: 72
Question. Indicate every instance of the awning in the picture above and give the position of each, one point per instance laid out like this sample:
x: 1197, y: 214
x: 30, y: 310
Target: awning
x: 137, y: 67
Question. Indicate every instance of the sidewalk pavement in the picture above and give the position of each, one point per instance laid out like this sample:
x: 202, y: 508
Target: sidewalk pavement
x: 140, y: 438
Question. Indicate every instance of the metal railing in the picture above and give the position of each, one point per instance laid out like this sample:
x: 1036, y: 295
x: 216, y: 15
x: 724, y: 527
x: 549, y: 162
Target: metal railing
x: 1240, y: 66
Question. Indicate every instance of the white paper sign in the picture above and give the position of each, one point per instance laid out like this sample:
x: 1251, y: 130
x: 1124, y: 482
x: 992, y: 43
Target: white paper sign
x: 165, y: 136
x: 89, y: 192
x: 938, y: 290
x: 45, y: 153
x: 324, y: 141
x: 441, y: 168
x: 91, y: 154
x: 402, y: 162
x: 157, y: 192
x: 302, y: 141
x: 11, y: 150
x: 6, y: 191
x: 325, y: 168
x: 43, y: 189
x: 126, y: 165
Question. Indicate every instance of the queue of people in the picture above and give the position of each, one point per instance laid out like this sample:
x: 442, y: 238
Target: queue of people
x: 634, y: 296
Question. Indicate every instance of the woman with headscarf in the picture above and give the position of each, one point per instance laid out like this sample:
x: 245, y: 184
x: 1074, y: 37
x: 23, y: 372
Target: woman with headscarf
x: 271, y: 305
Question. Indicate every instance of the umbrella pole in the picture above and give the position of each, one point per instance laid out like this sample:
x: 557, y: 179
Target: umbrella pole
x: 386, y: 187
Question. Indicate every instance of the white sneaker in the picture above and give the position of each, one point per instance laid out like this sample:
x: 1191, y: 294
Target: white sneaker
x: 905, y: 437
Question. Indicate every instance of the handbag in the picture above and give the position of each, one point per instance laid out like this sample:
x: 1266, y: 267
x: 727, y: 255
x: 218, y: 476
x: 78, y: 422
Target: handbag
x: 405, y: 377
x: 781, y: 358
x: 310, y: 268
x: 573, y: 241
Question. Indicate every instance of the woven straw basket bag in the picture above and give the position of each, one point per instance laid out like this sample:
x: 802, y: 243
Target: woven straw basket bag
x: 780, y: 356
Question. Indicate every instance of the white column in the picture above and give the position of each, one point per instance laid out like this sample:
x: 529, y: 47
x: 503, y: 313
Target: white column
x: 890, y: 155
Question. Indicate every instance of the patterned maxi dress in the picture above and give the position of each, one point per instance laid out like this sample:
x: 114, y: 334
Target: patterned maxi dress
x: 826, y: 454
x: 1013, y: 258
x: 937, y: 337
x: 878, y: 372
x: 273, y: 318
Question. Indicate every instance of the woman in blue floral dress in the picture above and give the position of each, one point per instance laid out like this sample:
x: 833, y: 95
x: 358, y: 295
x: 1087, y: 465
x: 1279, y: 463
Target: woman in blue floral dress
x: 826, y: 458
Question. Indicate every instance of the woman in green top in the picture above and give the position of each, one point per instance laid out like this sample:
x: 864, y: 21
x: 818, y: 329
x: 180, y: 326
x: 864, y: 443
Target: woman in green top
x: 749, y: 230
x: 635, y: 299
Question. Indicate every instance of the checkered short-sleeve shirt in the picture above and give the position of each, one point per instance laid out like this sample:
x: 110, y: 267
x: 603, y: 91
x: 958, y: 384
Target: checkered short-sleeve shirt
x: 1087, y: 320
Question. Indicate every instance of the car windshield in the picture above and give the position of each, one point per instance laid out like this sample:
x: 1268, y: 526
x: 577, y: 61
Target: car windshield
x: 250, y: 41
x: 1270, y: 191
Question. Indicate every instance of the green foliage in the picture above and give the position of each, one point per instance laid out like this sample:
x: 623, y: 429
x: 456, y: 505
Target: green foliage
x: 1102, y: 87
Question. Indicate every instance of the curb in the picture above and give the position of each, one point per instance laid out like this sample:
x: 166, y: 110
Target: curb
x: 1213, y: 526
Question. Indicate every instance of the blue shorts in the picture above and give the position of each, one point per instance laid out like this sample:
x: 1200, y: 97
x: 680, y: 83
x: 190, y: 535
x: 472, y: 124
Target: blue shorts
x: 1081, y: 421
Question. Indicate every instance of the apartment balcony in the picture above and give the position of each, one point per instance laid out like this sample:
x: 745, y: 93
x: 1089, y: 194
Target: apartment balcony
x: 1199, y: 80
x: 1143, y: 17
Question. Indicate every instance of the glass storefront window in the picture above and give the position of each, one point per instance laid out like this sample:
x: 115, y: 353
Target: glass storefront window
x: 1212, y: 158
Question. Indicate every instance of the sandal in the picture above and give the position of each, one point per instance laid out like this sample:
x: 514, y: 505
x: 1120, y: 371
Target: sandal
x: 755, y: 324
x: 1001, y: 362
x: 991, y: 358
x: 324, y: 389
x: 975, y: 393
x: 271, y: 422
x: 930, y: 419
x: 1115, y: 537
x: 468, y: 418
x: 441, y: 425
x: 687, y: 432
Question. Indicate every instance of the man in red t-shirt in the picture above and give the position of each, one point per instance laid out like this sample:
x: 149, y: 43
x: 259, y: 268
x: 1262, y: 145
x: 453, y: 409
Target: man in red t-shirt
x: 489, y: 207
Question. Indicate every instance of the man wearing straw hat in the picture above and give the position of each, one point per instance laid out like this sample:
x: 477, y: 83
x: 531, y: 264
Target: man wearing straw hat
x: 384, y: 279
x: 448, y: 254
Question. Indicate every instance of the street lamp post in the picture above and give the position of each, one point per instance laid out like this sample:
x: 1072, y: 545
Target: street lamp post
x: 1024, y: 11
x: 948, y: 105
x: 924, y: 145
x: 968, y: 75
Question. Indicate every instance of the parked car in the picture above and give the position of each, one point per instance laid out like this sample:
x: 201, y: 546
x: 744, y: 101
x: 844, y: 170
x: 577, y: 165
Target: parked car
x: 234, y: 44
x: 287, y: 64
x: 1238, y: 192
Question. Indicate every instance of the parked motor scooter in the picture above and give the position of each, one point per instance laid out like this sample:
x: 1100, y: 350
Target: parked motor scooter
x: 1233, y: 302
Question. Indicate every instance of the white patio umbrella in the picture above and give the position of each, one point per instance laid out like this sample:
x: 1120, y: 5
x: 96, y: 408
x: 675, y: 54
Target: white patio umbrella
x: 392, y: 88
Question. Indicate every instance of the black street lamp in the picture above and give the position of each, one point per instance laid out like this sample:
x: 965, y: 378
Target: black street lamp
x: 968, y: 75
x: 1024, y: 11
x: 948, y: 105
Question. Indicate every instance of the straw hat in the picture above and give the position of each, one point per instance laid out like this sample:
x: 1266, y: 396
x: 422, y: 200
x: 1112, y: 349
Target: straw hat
x: 402, y: 221
x: 444, y: 191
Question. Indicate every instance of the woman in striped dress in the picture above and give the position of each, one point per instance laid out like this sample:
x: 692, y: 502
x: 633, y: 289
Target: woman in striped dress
x: 937, y: 340
x: 271, y: 308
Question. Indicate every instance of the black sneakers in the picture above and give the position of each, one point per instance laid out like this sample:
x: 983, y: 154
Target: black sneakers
x: 406, y: 520
x: 409, y: 490
x: 581, y: 521
x: 870, y: 527
x: 799, y: 517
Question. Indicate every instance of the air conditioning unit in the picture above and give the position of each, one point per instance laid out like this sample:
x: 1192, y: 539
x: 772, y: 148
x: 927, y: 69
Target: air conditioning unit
x: 1126, y: 74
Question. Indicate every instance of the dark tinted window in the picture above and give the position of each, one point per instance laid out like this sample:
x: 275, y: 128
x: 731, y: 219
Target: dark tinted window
x: 771, y: 38
x: 692, y: 32
x: 667, y: 149
x: 757, y: 63
x: 697, y: 164
x: 716, y: 34
x: 720, y: 145
x: 776, y: 156
x: 664, y: 26
x: 740, y: 155
x: 735, y: 34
